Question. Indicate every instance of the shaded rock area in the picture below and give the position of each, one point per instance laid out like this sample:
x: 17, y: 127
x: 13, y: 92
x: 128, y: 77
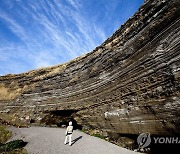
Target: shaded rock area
x: 124, y: 87
x: 60, y: 118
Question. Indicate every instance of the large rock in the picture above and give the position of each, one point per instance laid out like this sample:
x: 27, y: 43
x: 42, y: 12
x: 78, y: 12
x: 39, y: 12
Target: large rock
x: 127, y: 85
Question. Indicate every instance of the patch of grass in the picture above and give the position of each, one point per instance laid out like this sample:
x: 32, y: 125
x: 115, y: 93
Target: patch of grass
x: 16, y: 151
x: 12, y: 146
x: 94, y: 133
x: 99, y: 136
x: 83, y: 130
x: 4, y: 134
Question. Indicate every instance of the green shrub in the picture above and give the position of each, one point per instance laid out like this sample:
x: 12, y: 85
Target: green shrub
x: 99, y: 136
x: 4, y: 134
x: 17, y: 151
x: 12, y: 145
x: 83, y: 130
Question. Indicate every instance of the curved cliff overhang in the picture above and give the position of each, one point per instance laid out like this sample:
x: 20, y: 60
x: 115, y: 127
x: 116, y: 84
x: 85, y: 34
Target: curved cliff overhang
x: 127, y: 85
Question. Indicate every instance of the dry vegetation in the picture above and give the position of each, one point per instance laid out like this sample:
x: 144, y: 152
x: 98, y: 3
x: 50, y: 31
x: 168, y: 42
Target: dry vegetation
x: 12, y: 119
x: 50, y: 71
x: 9, y: 93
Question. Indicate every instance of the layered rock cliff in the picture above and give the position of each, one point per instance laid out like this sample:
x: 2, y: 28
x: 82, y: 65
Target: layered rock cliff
x: 127, y: 85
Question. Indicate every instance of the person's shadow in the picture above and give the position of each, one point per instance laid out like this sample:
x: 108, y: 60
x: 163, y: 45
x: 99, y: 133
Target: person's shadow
x: 75, y: 140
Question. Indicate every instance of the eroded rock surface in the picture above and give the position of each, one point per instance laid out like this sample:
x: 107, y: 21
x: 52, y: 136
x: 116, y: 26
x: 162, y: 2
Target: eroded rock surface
x: 127, y: 85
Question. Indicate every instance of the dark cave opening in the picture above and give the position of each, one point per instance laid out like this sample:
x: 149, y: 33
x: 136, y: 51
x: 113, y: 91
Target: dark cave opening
x: 63, y: 113
x: 66, y: 123
x: 61, y: 118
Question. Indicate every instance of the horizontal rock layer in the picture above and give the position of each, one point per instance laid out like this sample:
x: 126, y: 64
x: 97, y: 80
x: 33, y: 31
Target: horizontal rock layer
x: 127, y: 85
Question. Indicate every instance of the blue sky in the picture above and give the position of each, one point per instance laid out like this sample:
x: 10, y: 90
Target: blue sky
x: 40, y: 33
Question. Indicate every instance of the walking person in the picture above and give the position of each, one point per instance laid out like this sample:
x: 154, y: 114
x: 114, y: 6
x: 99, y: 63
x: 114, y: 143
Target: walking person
x: 68, y: 133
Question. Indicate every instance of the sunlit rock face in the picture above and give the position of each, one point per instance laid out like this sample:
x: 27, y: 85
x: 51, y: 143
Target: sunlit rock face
x: 127, y: 85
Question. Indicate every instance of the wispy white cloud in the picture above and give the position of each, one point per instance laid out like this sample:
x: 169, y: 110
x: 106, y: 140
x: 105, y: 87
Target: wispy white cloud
x: 15, y: 27
x: 50, y: 32
x: 74, y: 3
x: 100, y: 32
x: 53, y: 31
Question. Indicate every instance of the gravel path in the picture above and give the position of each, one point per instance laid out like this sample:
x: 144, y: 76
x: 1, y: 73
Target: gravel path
x: 45, y: 140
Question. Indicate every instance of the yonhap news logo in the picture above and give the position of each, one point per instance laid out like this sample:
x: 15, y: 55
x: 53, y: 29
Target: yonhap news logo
x: 145, y: 139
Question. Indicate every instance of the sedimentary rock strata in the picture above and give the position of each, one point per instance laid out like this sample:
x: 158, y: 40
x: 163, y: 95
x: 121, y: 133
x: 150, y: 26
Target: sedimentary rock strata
x: 127, y: 85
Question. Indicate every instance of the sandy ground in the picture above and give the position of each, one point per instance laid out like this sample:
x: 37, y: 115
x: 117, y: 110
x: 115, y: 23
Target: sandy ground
x: 45, y: 140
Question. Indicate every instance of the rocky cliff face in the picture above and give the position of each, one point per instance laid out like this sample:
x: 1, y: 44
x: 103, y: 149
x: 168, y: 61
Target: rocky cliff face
x: 127, y: 85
